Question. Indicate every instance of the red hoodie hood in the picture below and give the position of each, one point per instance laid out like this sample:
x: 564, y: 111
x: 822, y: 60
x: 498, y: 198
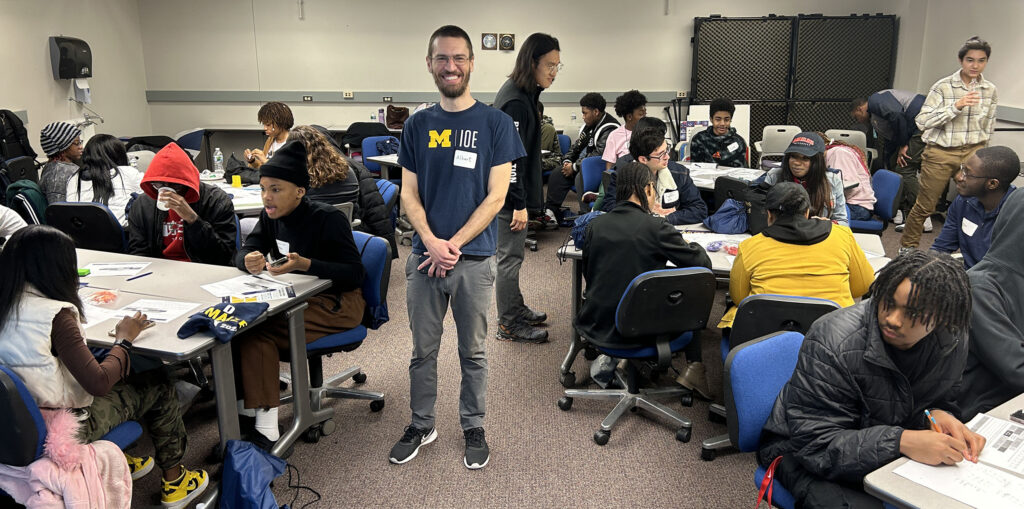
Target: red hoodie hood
x: 172, y: 164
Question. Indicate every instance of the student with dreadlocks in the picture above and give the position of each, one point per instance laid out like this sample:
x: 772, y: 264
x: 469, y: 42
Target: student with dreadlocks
x: 864, y: 378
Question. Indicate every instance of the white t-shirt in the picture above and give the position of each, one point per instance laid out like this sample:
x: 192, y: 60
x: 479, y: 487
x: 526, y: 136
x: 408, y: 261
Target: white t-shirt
x: 127, y: 182
x: 10, y: 222
x: 274, y: 146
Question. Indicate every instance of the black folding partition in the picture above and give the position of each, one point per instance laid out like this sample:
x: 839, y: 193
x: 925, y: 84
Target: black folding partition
x: 800, y: 70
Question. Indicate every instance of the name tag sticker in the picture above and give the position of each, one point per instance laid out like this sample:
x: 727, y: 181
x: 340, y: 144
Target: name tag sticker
x: 968, y: 227
x: 465, y: 159
x: 732, y: 147
x: 282, y: 247
x: 669, y: 197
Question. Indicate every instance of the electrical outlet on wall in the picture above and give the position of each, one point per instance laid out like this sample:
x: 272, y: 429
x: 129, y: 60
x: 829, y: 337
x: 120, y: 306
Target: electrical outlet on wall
x: 307, y: 98
x: 387, y: 99
x: 347, y: 95
x: 680, y: 94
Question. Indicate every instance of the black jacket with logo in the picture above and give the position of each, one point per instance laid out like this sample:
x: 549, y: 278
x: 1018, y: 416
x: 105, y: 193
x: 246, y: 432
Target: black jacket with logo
x: 526, y: 189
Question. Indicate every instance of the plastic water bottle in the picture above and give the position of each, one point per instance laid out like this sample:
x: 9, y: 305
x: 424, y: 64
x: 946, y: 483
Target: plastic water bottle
x: 134, y: 161
x: 380, y: 116
x: 218, y: 160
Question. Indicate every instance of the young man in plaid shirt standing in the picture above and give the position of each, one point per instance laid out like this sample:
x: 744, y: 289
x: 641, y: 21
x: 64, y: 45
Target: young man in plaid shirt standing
x: 956, y: 120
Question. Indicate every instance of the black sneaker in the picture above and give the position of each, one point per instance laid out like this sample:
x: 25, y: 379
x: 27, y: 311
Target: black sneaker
x: 477, y: 452
x: 534, y: 317
x: 410, y: 444
x: 522, y: 333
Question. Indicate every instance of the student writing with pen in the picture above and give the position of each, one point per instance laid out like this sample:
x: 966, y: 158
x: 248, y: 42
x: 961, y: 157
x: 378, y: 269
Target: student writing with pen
x: 864, y: 379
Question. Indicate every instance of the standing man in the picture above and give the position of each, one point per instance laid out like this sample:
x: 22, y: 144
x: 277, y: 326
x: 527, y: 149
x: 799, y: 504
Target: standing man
x: 456, y: 160
x: 62, y: 143
x: 891, y: 114
x: 536, y: 67
x: 957, y: 119
x: 982, y: 185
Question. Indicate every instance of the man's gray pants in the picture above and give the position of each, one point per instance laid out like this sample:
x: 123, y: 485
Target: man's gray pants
x: 511, y: 247
x: 468, y: 287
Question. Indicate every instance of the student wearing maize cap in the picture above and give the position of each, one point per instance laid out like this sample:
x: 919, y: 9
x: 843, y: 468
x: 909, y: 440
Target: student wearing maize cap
x: 62, y: 144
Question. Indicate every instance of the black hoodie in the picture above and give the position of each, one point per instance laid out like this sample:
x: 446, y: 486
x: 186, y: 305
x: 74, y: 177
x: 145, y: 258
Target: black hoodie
x: 526, y: 189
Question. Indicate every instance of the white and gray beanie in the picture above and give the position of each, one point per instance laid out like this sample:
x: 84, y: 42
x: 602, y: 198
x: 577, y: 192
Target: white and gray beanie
x: 58, y: 136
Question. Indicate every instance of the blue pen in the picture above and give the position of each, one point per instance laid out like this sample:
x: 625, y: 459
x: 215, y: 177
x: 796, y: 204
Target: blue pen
x: 137, y: 277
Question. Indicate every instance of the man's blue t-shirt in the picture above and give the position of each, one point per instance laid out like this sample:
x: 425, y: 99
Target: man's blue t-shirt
x: 968, y: 228
x: 452, y: 155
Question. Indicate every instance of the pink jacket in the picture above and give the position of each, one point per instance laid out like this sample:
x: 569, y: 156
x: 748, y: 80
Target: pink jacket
x: 70, y: 474
x: 848, y: 160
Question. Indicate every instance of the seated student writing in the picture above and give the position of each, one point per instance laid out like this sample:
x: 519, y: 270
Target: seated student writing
x: 720, y: 143
x: 105, y: 176
x: 796, y: 255
x: 864, y: 378
x: 277, y: 119
x: 804, y: 164
x: 42, y: 340
x: 853, y: 168
x: 312, y: 238
x: 995, y: 363
x: 179, y: 217
x: 982, y: 185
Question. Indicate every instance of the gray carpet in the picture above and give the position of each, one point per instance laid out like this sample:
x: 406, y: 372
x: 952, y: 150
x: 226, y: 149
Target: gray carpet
x: 540, y: 455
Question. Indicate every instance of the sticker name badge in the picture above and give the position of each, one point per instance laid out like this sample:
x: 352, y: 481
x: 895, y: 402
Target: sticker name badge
x: 465, y: 159
x: 282, y: 247
x: 732, y: 147
x: 669, y: 198
x: 968, y: 227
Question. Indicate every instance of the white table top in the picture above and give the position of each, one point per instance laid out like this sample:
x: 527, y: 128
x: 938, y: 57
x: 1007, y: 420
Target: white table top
x: 246, y: 200
x: 704, y: 175
x: 906, y: 493
x: 179, y: 281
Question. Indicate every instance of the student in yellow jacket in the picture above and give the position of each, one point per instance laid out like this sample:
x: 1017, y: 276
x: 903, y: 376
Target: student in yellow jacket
x: 798, y: 255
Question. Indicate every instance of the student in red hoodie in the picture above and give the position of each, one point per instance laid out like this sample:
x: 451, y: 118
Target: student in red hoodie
x: 188, y: 220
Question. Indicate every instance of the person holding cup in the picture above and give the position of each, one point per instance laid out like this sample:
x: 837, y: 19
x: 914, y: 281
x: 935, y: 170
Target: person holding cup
x: 180, y: 217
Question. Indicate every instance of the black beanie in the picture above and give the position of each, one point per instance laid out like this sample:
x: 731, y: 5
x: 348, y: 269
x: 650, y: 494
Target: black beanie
x: 288, y: 163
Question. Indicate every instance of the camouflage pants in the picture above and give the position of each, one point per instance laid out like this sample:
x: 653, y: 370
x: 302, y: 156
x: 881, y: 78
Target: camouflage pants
x: 148, y: 397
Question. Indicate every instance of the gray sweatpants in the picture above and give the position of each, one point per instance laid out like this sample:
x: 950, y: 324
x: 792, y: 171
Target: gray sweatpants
x: 511, y: 247
x: 468, y: 287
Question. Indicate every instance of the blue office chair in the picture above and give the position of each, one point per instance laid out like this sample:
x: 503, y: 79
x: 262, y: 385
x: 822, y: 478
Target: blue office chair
x: 90, y: 225
x: 376, y: 257
x: 370, y: 149
x: 661, y: 308
x: 756, y: 316
x: 564, y: 143
x: 888, y: 187
x: 23, y: 425
x: 191, y: 140
x: 591, y: 169
x: 389, y: 191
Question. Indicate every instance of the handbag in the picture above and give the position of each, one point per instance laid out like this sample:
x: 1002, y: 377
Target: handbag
x: 396, y: 116
x: 767, y: 483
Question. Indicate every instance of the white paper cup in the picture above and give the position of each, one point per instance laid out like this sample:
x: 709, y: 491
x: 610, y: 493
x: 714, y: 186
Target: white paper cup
x: 160, y: 204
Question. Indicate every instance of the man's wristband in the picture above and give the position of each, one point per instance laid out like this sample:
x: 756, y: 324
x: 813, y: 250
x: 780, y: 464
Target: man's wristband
x: 126, y: 344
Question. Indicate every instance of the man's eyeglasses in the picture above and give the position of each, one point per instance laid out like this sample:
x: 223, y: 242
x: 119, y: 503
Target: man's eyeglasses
x: 963, y: 171
x: 554, y: 67
x: 442, y: 60
x: 663, y: 155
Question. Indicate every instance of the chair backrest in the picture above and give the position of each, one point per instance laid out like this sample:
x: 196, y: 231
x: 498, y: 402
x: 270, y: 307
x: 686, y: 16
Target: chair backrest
x: 20, y: 421
x: 389, y: 191
x: 370, y: 149
x: 850, y: 136
x: 755, y: 373
x: 591, y: 168
x: 21, y: 168
x: 888, y: 187
x: 376, y: 256
x: 346, y: 208
x: 91, y: 225
x: 191, y: 139
x: 775, y: 139
x: 729, y: 187
x: 357, y: 131
x: 767, y: 313
x: 564, y: 143
x: 666, y: 302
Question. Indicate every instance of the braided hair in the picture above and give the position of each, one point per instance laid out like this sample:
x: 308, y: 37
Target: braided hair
x: 632, y: 180
x: 940, y: 294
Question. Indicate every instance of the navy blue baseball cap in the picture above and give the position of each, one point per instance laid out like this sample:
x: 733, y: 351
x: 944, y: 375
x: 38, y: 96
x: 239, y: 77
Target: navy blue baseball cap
x: 224, y: 320
x: 807, y: 144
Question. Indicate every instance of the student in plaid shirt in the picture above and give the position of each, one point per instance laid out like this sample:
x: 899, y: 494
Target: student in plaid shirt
x: 956, y: 120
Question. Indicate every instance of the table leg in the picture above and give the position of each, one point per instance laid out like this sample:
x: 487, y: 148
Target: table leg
x: 227, y: 410
x: 304, y: 416
x: 576, y: 343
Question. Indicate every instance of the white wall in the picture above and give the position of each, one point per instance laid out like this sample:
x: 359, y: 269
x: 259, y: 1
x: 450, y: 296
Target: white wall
x: 262, y: 45
x: 111, y: 27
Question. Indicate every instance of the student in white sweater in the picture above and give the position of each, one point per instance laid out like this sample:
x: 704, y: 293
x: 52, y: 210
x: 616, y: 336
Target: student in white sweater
x: 105, y: 176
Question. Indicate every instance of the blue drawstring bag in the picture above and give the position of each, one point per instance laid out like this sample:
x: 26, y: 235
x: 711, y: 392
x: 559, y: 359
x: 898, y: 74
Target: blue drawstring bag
x: 579, y: 227
x: 248, y: 471
x: 731, y: 217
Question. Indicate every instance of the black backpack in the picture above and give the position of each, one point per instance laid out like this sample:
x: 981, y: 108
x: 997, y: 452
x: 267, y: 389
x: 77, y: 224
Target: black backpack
x: 757, y: 214
x: 13, y: 137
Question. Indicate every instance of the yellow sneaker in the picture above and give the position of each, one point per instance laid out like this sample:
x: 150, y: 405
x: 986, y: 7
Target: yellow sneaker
x: 185, y: 489
x: 139, y: 467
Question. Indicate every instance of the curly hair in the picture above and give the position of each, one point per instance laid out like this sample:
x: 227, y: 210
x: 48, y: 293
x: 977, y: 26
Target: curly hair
x: 628, y: 102
x: 324, y: 163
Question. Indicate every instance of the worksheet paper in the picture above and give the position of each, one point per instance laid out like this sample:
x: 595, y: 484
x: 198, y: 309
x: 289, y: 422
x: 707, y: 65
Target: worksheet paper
x: 1004, y: 442
x: 160, y: 311
x: 250, y: 287
x: 975, y: 484
x: 116, y: 268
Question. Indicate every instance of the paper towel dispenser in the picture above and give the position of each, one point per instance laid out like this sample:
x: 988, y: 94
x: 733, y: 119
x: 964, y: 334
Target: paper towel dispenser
x: 70, y: 58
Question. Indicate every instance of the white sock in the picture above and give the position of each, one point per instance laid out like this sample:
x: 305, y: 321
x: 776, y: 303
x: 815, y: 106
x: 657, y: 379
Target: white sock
x: 245, y: 412
x: 266, y: 423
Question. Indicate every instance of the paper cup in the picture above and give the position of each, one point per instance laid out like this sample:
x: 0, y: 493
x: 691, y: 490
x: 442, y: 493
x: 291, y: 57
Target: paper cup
x: 160, y: 204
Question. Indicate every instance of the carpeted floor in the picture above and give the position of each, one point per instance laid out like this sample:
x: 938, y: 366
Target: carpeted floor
x: 540, y: 455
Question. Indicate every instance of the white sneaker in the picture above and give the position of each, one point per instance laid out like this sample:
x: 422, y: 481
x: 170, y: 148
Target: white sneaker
x: 898, y: 218
x: 928, y: 225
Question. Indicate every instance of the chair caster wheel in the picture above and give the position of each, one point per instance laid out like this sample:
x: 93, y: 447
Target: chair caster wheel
x: 590, y: 354
x: 683, y: 435
x: 565, y: 403
x: 377, y: 405
x: 716, y: 418
x: 533, y: 247
x: 359, y: 377
x: 686, y: 400
x: 327, y: 427
x: 601, y: 436
x: 312, y: 435
x: 568, y: 380
x: 707, y: 454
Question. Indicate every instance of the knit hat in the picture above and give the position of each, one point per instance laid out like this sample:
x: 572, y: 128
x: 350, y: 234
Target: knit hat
x: 806, y: 143
x: 224, y: 320
x: 288, y: 163
x: 58, y: 136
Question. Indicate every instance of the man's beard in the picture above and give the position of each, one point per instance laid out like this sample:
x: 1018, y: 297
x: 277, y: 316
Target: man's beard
x: 451, y: 91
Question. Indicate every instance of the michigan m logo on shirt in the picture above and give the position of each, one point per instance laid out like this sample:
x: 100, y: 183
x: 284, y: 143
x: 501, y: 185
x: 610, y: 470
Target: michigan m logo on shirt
x: 444, y: 139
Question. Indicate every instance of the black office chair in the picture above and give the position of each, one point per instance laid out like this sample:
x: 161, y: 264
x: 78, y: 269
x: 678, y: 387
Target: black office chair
x: 20, y: 168
x: 91, y: 225
x: 662, y: 309
x: 756, y: 316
